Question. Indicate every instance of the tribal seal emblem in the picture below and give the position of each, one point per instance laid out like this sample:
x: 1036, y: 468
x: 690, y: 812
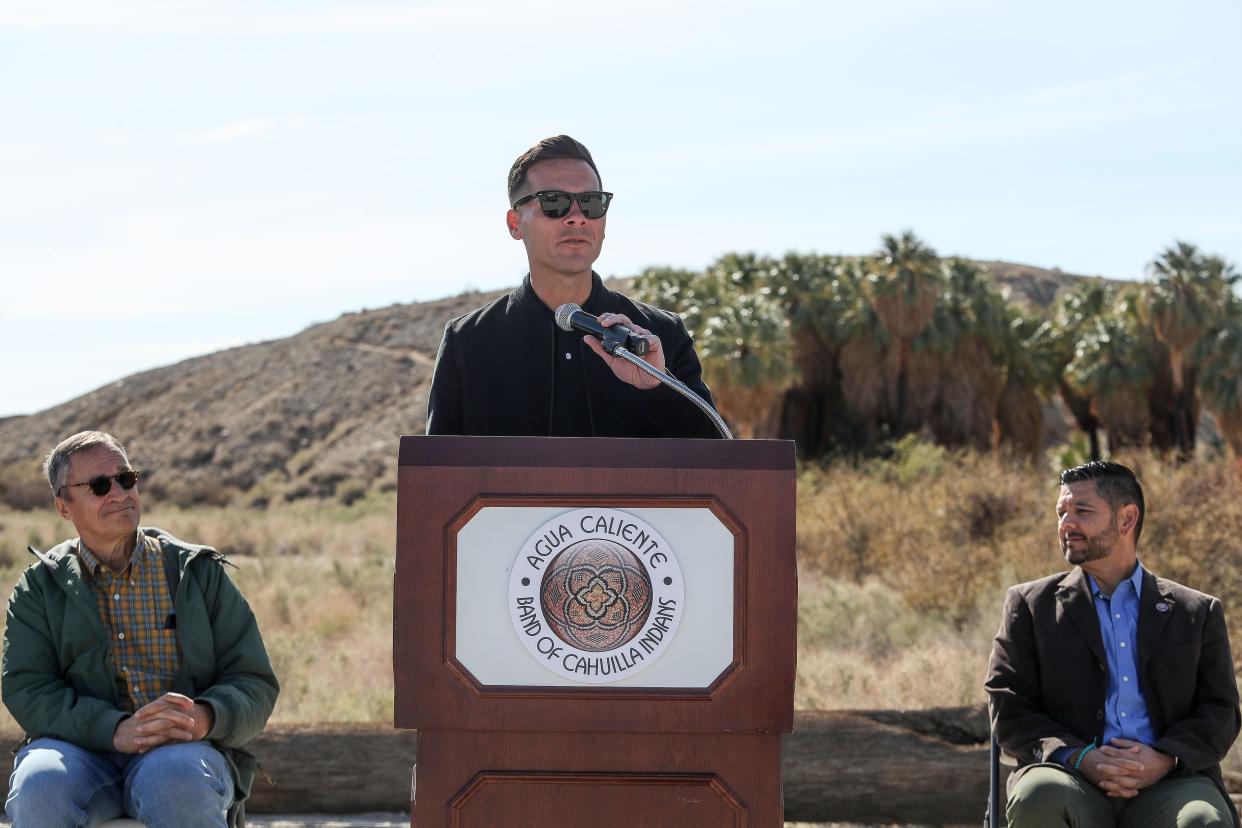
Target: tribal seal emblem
x: 595, y: 595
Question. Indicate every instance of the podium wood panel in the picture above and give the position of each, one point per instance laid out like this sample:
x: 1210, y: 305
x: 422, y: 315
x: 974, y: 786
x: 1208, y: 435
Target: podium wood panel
x: 524, y: 780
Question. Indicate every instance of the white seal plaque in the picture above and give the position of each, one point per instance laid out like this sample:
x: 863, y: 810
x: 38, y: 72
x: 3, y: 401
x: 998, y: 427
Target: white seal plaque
x: 596, y: 595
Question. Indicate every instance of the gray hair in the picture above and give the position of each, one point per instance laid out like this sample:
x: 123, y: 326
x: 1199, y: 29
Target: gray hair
x: 56, y: 466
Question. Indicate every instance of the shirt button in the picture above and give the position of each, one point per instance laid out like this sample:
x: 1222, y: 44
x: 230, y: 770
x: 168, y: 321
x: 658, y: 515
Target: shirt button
x: 116, y: 596
x: 1125, y: 678
x: 1118, y: 615
x: 1123, y: 715
x: 124, y: 669
x: 120, y: 636
x: 1123, y: 644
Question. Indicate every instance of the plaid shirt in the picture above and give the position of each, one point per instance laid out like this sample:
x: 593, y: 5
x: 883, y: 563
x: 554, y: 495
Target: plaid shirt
x: 137, y: 611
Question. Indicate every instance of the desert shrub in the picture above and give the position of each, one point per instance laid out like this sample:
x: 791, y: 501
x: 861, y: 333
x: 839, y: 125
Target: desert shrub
x: 943, y: 529
x: 911, y: 459
x: 861, y: 645
x: 351, y: 491
x: 22, y: 486
x: 1192, y: 532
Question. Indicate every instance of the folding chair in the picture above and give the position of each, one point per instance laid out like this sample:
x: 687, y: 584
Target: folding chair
x: 991, y: 817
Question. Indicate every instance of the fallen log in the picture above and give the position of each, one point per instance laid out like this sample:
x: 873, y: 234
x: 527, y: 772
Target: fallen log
x: 916, y: 766
x: 876, y: 766
x: 332, y: 769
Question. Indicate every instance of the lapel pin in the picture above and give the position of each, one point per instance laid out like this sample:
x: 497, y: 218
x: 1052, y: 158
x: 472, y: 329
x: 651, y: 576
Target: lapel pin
x: 1162, y: 607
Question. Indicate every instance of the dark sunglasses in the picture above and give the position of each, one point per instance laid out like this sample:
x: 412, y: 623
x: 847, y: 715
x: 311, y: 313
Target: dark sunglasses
x: 557, y: 203
x: 102, y: 484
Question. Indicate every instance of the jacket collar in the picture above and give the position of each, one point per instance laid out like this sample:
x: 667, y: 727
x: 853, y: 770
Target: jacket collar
x: 1074, y: 596
x: 524, y: 296
x: 1156, y: 607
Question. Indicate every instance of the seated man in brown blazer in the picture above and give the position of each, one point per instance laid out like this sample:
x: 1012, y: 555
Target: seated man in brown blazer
x: 1113, y: 688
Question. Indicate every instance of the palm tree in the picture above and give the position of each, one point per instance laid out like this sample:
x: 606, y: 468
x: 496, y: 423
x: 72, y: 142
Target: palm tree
x: 864, y: 345
x: 823, y: 300
x: 1031, y: 375
x: 902, y: 286
x: 968, y: 331
x: 1220, y: 356
x: 1109, y: 368
x: 1222, y: 383
x: 1185, y: 303
x: 1074, y: 314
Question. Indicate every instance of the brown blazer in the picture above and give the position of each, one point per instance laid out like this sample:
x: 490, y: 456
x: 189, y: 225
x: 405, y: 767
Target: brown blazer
x: 1048, y: 675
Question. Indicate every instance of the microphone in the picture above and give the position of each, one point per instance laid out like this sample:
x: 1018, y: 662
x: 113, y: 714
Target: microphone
x: 570, y: 317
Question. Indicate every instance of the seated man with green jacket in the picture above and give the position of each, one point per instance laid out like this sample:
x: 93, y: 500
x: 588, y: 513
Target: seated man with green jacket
x: 131, y: 661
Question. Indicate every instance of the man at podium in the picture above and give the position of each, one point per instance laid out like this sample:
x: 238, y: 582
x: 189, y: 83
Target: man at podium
x: 508, y: 369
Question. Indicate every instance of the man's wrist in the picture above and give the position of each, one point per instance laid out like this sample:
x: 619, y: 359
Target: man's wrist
x: 1082, y: 754
x: 204, y: 719
x: 1063, y: 756
x: 1174, y: 763
x: 116, y: 730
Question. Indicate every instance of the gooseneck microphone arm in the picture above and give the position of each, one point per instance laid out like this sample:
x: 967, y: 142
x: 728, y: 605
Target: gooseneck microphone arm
x: 680, y: 387
x: 570, y: 317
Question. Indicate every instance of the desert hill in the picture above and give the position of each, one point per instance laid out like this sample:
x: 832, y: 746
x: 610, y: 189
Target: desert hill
x: 317, y: 414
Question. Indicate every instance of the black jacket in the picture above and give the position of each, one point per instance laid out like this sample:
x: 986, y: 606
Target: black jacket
x: 494, y: 373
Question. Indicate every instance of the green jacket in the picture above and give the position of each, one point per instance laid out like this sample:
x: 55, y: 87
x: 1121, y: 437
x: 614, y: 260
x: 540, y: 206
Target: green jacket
x: 59, y: 678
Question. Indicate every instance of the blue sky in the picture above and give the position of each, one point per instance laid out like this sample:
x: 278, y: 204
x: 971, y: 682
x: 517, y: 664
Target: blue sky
x: 179, y: 177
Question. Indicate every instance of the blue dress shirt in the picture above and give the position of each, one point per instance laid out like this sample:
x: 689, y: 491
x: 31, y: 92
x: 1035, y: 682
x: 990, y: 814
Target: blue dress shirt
x: 1125, y: 709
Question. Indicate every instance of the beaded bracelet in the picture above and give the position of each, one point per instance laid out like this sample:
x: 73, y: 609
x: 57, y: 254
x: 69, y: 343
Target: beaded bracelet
x: 1084, y: 752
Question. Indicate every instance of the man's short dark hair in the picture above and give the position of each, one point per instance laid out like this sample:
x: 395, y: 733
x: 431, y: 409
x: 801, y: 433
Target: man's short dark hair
x: 558, y: 146
x: 1115, y: 483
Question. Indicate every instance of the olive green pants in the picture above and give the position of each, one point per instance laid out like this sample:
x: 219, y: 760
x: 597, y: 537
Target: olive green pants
x: 1048, y: 797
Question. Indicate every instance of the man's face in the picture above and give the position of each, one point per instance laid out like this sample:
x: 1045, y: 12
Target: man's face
x: 570, y: 245
x: 1086, y: 523
x: 104, y: 519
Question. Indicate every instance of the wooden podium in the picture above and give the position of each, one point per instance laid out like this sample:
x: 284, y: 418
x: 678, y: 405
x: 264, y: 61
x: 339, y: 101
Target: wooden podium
x: 595, y: 632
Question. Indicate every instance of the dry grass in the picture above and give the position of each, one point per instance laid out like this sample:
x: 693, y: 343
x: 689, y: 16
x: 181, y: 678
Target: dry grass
x: 862, y: 646
x: 903, y: 567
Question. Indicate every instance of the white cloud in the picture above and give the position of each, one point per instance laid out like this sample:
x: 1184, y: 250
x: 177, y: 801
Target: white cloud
x: 238, y: 129
x: 10, y: 154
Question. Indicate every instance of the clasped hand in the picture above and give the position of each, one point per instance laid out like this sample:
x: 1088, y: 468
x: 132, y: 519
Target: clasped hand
x: 170, y: 718
x: 1123, y: 767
